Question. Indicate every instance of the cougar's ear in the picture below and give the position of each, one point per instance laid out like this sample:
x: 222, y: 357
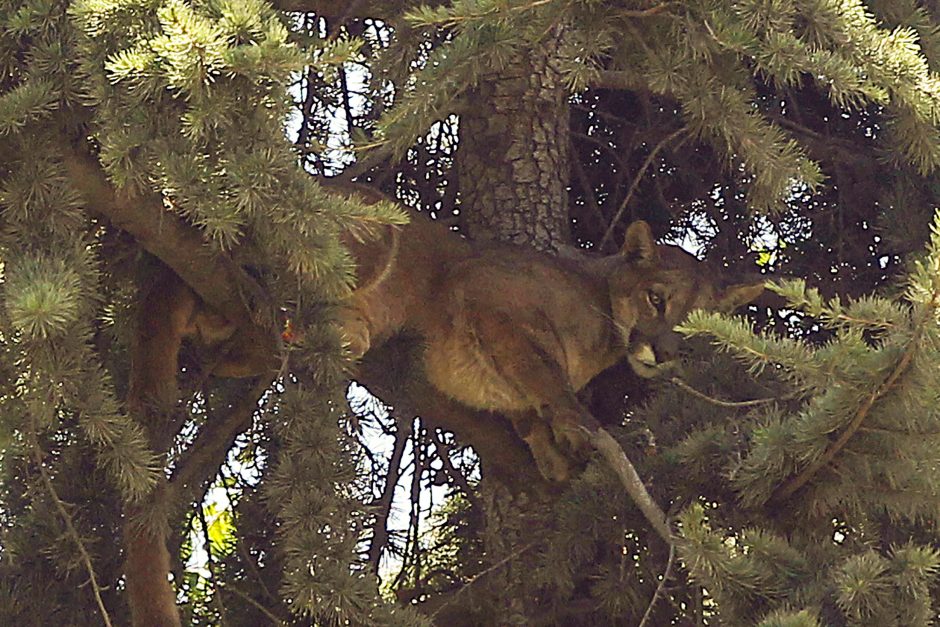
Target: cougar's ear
x: 638, y: 245
x: 738, y: 294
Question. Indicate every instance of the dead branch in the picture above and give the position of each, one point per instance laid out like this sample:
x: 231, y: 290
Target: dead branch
x: 615, y: 457
x: 384, y: 503
x: 682, y: 385
x: 667, y: 574
x: 486, y: 571
x: 268, y: 613
x: 636, y: 183
x: 443, y: 453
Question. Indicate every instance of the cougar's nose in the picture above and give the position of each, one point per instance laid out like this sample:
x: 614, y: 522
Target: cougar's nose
x: 666, y: 347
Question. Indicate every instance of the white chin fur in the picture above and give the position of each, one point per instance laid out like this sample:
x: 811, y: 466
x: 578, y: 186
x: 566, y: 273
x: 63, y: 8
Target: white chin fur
x: 642, y: 359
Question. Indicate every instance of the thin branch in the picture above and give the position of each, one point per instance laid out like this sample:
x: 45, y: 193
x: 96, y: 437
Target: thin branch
x: 69, y: 525
x: 380, y: 9
x: 619, y: 79
x: 347, y: 107
x: 486, y: 571
x: 636, y: 183
x: 417, y: 450
x: 587, y: 189
x: 443, y: 453
x: 650, y: 12
x: 384, y: 504
x: 268, y: 613
x: 795, y: 483
x: 720, y: 403
x: 207, y: 453
x: 612, y: 453
x: 667, y: 574
x: 306, y: 107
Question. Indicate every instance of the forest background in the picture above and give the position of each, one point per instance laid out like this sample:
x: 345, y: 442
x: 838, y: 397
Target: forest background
x: 797, y: 452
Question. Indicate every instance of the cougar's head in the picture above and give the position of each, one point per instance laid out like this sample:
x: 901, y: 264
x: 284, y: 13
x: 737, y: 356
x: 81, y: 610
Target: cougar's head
x: 653, y: 288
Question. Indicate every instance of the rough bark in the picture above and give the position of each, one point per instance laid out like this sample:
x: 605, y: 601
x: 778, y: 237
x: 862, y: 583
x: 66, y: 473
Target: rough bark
x: 513, y: 155
x: 513, y: 163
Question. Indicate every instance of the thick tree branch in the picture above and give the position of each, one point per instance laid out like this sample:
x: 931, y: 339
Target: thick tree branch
x: 215, y: 277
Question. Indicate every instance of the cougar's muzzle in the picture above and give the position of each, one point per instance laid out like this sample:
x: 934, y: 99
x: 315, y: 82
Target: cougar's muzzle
x: 651, y: 357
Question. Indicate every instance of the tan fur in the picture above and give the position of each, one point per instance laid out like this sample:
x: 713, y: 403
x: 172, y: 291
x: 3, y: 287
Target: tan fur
x: 513, y: 331
x: 395, y: 290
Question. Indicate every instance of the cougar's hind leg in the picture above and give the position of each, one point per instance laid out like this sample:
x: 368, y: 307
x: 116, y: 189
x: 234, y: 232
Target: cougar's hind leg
x: 356, y: 332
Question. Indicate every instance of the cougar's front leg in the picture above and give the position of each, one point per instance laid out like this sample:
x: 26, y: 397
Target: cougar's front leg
x: 539, y: 382
x: 552, y: 463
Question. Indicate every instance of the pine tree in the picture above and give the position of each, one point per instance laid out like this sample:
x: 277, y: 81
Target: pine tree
x: 794, y: 451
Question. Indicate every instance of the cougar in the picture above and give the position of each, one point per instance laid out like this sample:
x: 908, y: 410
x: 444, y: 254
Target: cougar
x: 514, y: 331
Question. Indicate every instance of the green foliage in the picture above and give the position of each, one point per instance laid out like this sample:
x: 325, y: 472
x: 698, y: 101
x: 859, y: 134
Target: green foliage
x: 857, y: 444
x: 815, y: 507
x: 188, y: 101
x: 706, y: 55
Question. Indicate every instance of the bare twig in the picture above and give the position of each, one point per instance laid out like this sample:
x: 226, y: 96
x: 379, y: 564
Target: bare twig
x: 384, y: 504
x: 202, y: 460
x: 667, y: 574
x: 618, y: 461
x: 589, y: 196
x: 443, y: 453
x: 636, y: 183
x: 268, y: 613
x: 650, y: 12
x: 70, y: 527
x: 720, y: 403
x: 414, y: 524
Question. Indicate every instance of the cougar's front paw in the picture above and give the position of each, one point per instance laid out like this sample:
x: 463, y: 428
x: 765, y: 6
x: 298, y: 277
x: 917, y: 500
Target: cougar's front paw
x: 552, y: 464
x: 573, y: 432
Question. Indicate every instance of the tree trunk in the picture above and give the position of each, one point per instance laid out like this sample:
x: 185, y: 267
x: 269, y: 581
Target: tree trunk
x: 147, y: 566
x: 513, y: 163
x: 163, y: 310
x: 513, y: 155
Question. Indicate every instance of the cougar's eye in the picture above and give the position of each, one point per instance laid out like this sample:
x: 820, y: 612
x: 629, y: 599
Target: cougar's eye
x: 656, y: 300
